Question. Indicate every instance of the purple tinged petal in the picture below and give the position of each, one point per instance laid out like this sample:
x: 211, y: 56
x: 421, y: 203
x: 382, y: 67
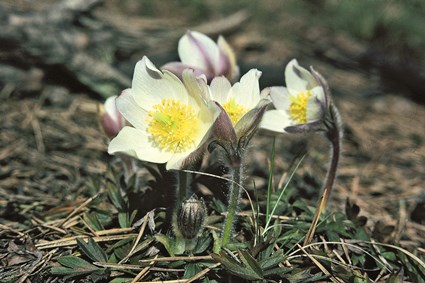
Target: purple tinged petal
x: 199, y: 51
x: 223, y: 127
x: 248, y: 124
x: 324, y: 84
x: 110, y: 118
x: 223, y: 66
x: 177, y: 69
x: 305, y: 128
x: 232, y: 73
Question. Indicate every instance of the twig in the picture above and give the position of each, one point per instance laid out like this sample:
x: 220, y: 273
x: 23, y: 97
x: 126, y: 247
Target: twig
x: 139, y: 236
x: 72, y: 241
x: 143, y: 271
x: 176, y: 258
x: 319, y: 265
x: 75, y: 211
x: 202, y: 273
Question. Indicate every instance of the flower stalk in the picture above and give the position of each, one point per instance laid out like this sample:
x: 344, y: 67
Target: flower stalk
x: 234, y: 196
x: 184, y: 180
x: 333, y: 132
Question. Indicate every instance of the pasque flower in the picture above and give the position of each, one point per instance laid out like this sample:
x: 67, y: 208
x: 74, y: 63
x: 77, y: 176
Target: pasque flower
x: 170, y: 118
x: 200, y: 53
x: 242, y: 109
x: 240, y: 98
x: 300, y: 106
x: 305, y: 105
x: 110, y: 118
x: 243, y: 106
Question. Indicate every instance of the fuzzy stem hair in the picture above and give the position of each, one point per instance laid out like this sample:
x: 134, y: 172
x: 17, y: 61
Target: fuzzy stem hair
x: 234, y: 196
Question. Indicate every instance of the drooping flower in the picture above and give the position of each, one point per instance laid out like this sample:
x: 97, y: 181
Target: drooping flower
x: 200, y: 53
x: 305, y: 105
x: 110, y: 118
x: 301, y: 106
x: 170, y: 118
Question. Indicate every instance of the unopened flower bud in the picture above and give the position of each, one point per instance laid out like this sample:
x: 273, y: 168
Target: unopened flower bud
x: 110, y: 118
x: 191, y: 217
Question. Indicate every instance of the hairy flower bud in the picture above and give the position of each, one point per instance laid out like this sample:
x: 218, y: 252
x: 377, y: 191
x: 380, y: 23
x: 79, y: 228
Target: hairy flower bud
x: 191, y: 216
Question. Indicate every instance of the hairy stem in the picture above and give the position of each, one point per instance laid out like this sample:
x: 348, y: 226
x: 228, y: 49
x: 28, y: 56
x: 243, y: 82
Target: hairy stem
x: 334, y: 133
x: 184, y: 180
x: 234, y: 195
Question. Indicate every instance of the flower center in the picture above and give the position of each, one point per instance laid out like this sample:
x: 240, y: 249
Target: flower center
x: 234, y: 110
x: 172, y: 125
x: 298, y: 107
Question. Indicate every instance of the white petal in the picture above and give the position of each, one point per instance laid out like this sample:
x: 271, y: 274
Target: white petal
x: 275, y: 120
x: 297, y: 78
x: 319, y: 93
x: 314, y: 109
x: 198, y: 50
x: 220, y: 88
x: 134, y: 142
x: 176, y: 160
x: 196, y: 88
x: 150, y: 85
x: 247, y: 92
x: 280, y: 97
x: 130, y: 110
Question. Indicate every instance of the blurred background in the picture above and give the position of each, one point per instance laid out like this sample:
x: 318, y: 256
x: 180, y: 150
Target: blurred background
x: 60, y: 59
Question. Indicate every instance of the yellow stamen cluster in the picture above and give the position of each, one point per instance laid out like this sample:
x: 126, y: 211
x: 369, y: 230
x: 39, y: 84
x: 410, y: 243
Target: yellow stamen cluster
x: 173, y: 126
x: 234, y: 110
x: 298, y: 107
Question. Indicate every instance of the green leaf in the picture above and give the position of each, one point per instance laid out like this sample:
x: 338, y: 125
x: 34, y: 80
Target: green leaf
x: 121, y: 280
x: 236, y: 267
x: 114, y: 194
x: 75, y: 266
x: 191, y: 269
x: 203, y: 243
x: 248, y: 260
x: 123, y: 219
x: 75, y: 262
x: 173, y: 246
x: 272, y: 261
x: 92, y: 250
x: 93, y: 221
x: 303, y: 276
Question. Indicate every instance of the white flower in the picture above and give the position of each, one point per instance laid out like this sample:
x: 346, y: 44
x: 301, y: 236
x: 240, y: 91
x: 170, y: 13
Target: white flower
x: 239, y: 99
x: 110, y: 118
x: 170, y: 118
x: 300, y: 105
x: 200, y: 53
